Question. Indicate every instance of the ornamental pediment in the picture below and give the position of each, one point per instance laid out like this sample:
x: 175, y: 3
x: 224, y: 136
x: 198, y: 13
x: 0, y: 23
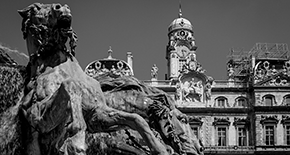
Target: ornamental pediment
x: 194, y: 120
x: 241, y: 121
x: 182, y: 38
x: 285, y: 119
x: 279, y: 79
x: 221, y: 121
x: 269, y: 119
x: 110, y: 67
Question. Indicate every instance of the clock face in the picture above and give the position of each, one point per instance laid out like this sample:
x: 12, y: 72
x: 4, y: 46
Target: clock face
x: 182, y: 53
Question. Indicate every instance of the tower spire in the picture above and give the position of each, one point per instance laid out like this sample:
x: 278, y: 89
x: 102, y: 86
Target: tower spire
x: 110, y: 51
x: 180, y: 13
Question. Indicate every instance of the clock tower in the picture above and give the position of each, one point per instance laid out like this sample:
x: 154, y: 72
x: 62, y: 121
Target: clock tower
x: 181, y: 47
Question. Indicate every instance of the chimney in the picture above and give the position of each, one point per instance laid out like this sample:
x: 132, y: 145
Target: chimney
x: 130, y: 59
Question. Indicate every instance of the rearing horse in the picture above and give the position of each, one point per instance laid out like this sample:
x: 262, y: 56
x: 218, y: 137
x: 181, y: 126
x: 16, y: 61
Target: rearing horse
x: 61, y: 101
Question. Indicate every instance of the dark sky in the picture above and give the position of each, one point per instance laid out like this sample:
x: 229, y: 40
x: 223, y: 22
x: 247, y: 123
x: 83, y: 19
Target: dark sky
x: 140, y: 26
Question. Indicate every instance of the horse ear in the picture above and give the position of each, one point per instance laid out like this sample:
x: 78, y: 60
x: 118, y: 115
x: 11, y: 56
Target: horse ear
x: 24, y: 13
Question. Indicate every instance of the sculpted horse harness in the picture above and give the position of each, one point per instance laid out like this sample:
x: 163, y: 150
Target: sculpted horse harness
x: 62, y: 102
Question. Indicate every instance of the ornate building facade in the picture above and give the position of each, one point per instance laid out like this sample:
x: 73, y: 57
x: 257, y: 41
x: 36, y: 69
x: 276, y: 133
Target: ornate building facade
x: 249, y: 113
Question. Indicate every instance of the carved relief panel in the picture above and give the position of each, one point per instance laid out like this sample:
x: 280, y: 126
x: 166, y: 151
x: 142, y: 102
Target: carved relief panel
x: 110, y: 67
x: 271, y: 73
x: 181, y: 38
x: 192, y: 90
x: 191, y: 87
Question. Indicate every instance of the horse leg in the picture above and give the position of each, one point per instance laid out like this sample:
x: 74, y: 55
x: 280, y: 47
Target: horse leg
x: 101, y: 118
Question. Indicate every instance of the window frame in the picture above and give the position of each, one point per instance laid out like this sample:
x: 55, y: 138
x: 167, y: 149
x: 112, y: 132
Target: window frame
x: 196, y: 122
x: 286, y: 137
x: 246, y: 141
x: 197, y: 130
x: 241, y: 98
x: 274, y: 134
x: 284, y: 100
x: 226, y: 134
x: 225, y: 101
x: 221, y: 122
x: 273, y: 100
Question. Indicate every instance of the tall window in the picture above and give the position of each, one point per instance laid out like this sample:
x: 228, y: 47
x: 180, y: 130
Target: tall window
x: 287, y: 134
x: 242, y: 136
x: 195, y: 131
x: 269, y: 134
x: 222, y: 136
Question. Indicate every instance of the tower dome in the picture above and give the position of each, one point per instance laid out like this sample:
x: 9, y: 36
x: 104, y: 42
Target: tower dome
x: 180, y: 23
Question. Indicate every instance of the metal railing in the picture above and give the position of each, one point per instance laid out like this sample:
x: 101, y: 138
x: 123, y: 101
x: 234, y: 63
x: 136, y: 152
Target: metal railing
x: 230, y: 148
x: 229, y: 84
x: 158, y: 83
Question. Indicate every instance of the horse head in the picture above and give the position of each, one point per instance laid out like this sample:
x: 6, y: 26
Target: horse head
x: 173, y: 126
x: 47, y: 27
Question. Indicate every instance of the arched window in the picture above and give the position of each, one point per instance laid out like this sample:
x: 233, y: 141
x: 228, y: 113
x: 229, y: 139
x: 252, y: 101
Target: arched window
x: 269, y: 100
x: 241, y: 102
x: 286, y: 100
x: 220, y: 102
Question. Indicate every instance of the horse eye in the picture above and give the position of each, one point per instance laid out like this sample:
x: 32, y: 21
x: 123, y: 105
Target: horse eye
x: 183, y: 120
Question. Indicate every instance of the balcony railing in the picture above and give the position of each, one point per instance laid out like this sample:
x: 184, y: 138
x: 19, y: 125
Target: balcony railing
x: 229, y: 84
x: 230, y: 148
x: 158, y: 83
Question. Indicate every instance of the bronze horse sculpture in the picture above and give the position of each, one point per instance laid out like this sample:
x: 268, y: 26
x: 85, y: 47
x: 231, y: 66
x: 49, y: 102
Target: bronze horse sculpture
x: 61, y: 102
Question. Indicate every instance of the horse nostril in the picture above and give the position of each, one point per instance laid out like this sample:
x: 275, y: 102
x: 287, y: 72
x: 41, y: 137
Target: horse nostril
x: 201, y: 149
x: 57, y: 6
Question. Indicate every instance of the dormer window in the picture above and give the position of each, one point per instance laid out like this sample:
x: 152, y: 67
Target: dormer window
x: 240, y: 102
x: 269, y: 100
x: 220, y: 102
x: 286, y: 100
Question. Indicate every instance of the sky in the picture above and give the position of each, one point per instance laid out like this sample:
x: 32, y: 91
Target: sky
x: 140, y: 26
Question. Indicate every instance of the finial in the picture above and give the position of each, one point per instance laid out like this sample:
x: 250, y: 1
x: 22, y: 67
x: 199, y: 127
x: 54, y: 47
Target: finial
x: 110, y: 51
x: 180, y: 13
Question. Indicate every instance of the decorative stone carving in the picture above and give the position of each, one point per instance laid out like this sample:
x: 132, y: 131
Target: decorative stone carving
x: 192, y: 91
x: 208, y: 135
x: 230, y: 71
x: 271, y: 76
x: 207, y: 88
x: 111, y: 68
x: 241, y: 121
x: 195, y: 120
x: 182, y: 38
x: 221, y: 121
x: 269, y: 119
x: 285, y: 119
x: 154, y: 72
x: 259, y: 131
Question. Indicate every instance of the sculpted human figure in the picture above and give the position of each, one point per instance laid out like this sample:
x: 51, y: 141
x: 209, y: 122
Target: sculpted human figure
x: 154, y: 72
x: 61, y: 102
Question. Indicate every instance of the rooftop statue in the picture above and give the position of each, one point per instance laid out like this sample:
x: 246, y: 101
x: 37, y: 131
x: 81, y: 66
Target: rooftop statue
x: 61, y: 102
